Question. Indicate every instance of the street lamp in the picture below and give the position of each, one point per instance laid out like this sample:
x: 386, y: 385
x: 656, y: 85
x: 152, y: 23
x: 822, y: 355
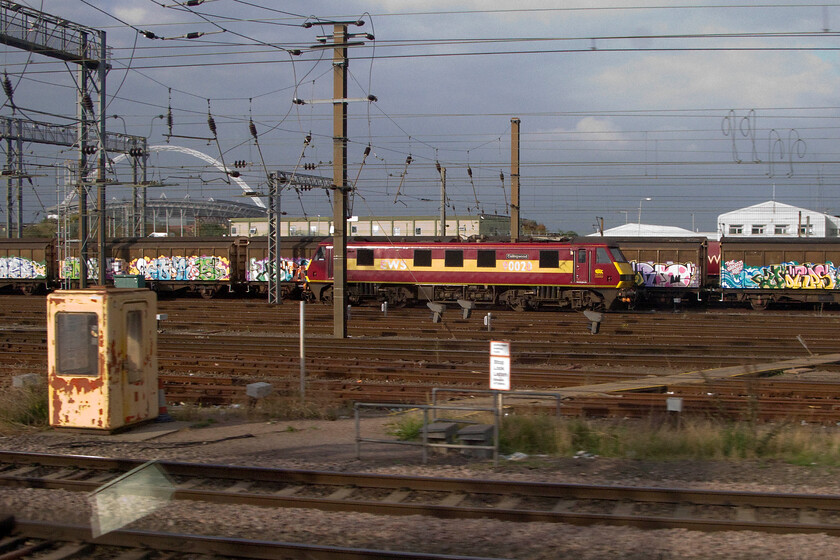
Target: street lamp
x: 640, y: 208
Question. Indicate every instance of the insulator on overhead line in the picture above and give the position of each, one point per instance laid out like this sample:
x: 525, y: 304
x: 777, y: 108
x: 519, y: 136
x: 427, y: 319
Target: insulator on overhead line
x: 87, y: 102
x: 502, y: 176
x: 367, y: 151
x: 7, y: 87
x: 253, y: 128
x: 212, y: 124
x: 469, y: 171
x: 408, y: 160
x: 307, y: 140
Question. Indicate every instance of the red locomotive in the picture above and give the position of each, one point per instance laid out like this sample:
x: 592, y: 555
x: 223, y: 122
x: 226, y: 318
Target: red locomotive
x: 573, y: 275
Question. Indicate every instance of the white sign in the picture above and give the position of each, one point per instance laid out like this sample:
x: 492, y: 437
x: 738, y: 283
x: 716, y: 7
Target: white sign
x: 498, y: 348
x: 499, y: 365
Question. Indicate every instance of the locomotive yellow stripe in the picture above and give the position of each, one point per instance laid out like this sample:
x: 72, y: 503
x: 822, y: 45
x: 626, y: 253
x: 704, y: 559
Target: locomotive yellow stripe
x: 439, y: 265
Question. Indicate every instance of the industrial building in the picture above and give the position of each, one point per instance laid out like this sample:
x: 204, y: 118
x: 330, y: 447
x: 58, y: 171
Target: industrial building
x: 776, y: 219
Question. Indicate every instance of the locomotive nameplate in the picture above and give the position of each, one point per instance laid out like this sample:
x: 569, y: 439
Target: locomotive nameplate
x: 516, y: 256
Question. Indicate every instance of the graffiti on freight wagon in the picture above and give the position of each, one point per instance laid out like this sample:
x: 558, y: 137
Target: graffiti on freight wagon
x: 21, y: 267
x: 192, y: 268
x: 789, y: 275
x: 260, y: 270
x: 666, y: 275
x: 68, y: 269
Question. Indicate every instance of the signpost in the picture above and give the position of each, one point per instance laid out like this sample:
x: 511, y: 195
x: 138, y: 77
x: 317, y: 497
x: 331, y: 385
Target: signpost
x: 499, y: 365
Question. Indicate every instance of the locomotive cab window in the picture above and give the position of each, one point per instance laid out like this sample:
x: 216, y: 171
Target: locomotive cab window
x: 581, y: 256
x: 454, y: 258
x: 319, y: 254
x: 549, y: 259
x: 422, y: 257
x: 602, y: 256
x: 364, y: 257
x: 77, y: 344
x: 486, y: 258
x: 617, y: 255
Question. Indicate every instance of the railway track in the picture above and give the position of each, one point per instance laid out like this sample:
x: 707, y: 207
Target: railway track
x: 392, y: 495
x: 208, y: 352
x: 52, y: 541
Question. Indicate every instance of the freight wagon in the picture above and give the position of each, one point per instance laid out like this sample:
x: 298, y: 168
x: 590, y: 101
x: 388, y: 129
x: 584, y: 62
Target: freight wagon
x: 762, y: 272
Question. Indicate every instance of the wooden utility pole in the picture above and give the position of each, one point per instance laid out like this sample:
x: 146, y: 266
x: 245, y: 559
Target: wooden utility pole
x: 514, y: 179
x: 442, y: 201
x: 84, y: 126
x: 340, y: 180
x: 102, y: 69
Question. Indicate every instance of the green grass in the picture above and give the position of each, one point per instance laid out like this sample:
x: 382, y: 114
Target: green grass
x: 25, y: 406
x: 657, y: 439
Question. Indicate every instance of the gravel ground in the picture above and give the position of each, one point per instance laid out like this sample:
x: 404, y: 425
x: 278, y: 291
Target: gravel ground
x: 330, y: 445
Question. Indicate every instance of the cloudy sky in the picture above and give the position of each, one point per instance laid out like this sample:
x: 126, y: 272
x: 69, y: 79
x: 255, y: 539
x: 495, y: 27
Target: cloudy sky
x: 701, y: 108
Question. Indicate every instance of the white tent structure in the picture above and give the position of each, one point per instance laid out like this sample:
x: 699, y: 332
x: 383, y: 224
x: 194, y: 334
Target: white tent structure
x: 647, y: 230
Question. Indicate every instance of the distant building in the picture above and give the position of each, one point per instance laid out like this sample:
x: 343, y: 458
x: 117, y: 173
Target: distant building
x: 776, y: 219
x: 397, y: 226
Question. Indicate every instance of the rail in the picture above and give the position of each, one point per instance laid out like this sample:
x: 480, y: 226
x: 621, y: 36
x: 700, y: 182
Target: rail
x: 500, y: 395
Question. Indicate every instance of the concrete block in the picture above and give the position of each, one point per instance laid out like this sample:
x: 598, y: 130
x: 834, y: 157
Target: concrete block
x: 441, y: 432
x: 258, y: 390
x: 477, y: 434
x: 27, y: 380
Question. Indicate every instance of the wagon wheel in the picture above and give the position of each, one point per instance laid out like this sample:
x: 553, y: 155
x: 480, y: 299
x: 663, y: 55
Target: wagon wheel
x: 398, y: 298
x: 206, y: 292
x: 759, y: 304
x: 327, y: 295
x: 517, y: 301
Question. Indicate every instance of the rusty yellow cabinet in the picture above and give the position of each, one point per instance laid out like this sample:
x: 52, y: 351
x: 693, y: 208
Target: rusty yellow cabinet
x: 102, y: 345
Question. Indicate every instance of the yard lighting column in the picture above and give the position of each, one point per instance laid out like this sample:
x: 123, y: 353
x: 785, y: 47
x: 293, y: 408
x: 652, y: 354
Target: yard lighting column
x: 640, y: 208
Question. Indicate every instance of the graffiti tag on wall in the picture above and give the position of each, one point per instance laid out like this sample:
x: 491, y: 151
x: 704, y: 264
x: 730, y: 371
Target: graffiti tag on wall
x: 260, y: 270
x: 666, y: 275
x: 789, y: 276
x: 191, y: 268
x: 21, y: 267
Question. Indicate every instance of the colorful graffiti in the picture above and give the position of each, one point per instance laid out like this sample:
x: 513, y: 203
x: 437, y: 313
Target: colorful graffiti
x: 666, y: 275
x: 21, y: 267
x: 259, y: 270
x: 788, y: 275
x: 68, y: 269
x: 191, y: 268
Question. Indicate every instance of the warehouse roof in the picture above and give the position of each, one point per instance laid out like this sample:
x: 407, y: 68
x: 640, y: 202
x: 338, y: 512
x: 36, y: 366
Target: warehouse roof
x: 648, y: 230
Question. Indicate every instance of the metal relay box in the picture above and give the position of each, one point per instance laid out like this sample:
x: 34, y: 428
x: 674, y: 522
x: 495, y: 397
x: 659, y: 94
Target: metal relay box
x: 102, y: 345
